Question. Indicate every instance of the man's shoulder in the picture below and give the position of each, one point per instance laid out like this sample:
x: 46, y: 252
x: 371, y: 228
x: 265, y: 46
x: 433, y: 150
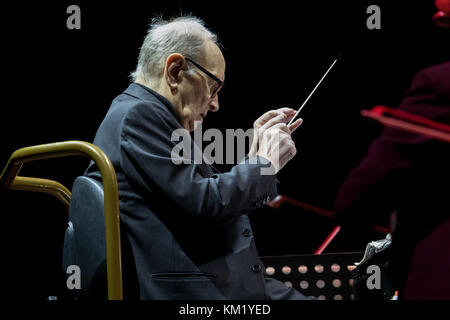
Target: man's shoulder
x: 141, y: 103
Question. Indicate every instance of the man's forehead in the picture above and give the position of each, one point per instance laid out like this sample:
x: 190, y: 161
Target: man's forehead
x: 214, y: 59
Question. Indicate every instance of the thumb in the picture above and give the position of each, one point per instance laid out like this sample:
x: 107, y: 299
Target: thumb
x: 295, y: 125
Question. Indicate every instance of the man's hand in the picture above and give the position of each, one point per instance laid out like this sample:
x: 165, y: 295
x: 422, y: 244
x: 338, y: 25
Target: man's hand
x: 272, y: 137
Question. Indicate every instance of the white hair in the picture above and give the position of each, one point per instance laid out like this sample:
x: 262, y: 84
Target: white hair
x: 184, y: 35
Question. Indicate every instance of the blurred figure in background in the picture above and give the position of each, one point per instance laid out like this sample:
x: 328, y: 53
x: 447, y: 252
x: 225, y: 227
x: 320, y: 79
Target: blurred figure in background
x: 408, y: 174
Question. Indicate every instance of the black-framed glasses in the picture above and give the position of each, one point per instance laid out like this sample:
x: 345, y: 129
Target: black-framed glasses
x: 209, y: 74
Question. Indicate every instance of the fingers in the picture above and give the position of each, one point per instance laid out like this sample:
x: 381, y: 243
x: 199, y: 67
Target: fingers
x: 288, y: 112
x: 281, y: 118
x: 287, y: 152
x: 295, y: 125
x: 277, y: 146
x: 266, y: 117
x: 281, y: 126
x: 272, y: 138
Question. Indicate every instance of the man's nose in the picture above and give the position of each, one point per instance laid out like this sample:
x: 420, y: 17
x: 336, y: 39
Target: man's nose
x: 214, y: 104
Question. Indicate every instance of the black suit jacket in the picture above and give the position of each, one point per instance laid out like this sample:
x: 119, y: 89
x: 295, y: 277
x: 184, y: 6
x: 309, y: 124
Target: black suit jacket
x: 185, y: 227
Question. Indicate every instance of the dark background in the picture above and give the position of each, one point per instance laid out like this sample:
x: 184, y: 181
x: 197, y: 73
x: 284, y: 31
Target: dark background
x: 58, y: 85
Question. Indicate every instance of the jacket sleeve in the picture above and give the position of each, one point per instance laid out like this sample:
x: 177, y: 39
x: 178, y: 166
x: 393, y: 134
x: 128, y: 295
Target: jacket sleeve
x: 145, y: 156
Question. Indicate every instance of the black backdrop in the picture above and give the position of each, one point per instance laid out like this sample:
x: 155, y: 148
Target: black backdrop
x: 58, y: 85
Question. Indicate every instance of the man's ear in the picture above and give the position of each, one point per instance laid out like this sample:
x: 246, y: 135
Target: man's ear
x: 172, y: 72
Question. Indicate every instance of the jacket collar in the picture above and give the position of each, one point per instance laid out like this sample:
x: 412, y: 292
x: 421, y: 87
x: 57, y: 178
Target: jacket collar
x: 142, y: 92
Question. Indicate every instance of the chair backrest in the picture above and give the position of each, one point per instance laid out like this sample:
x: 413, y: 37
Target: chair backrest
x: 94, y: 215
x: 84, y: 240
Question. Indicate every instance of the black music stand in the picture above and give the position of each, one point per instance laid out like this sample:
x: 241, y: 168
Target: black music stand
x: 325, y: 276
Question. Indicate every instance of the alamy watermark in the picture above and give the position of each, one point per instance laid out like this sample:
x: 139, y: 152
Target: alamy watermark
x: 74, y: 277
x: 74, y: 19
x: 221, y: 149
x: 374, y: 20
x: 374, y: 280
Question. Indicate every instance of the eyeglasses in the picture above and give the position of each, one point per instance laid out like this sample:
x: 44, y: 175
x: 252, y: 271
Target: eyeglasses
x: 209, y: 74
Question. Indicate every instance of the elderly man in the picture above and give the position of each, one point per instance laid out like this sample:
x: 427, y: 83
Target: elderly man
x: 186, y: 228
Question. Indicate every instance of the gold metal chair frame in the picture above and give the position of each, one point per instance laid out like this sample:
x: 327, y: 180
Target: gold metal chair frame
x: 9, y: 179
